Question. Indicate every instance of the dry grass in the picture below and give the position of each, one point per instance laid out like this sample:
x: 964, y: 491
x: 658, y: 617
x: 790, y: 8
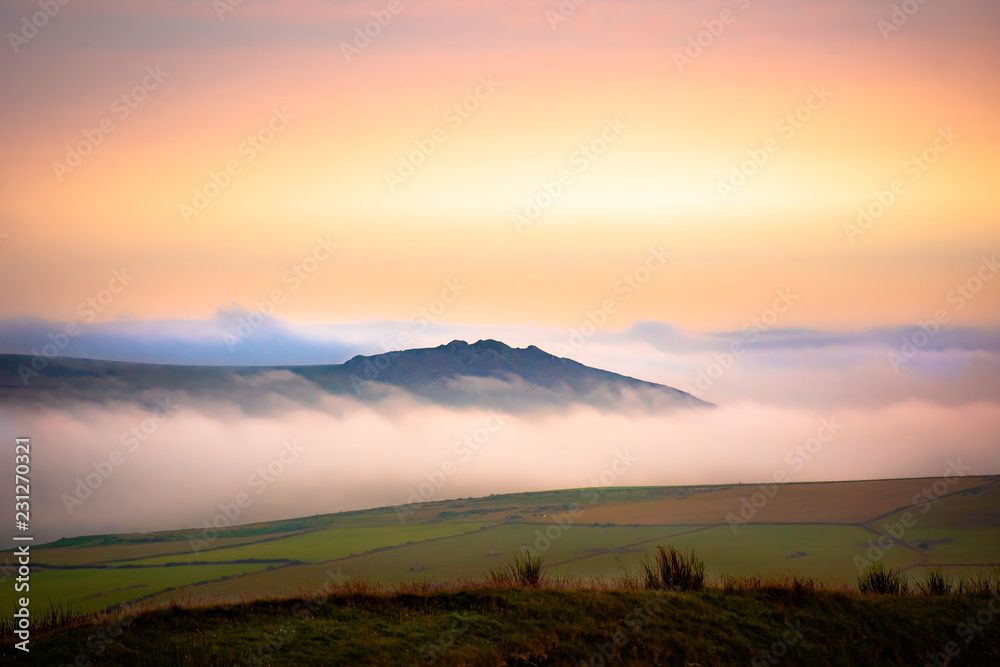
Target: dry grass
x: 667, y: 569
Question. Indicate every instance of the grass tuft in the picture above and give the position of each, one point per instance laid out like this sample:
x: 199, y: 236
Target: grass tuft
x: 520, y: 570
x: 670, y: 570
x: 877, y: 578
x: 936, y: 583
x: 983, y: 583
x: 731, y: 584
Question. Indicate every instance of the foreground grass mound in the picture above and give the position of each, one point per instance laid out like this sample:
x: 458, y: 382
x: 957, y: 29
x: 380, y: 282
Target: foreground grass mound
x: 541, y: 626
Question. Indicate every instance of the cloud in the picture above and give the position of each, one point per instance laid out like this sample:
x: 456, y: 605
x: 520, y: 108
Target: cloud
x: 176, y: 470
x: 219, y: 427
x: 213, y: 341
x: 323, y: 24
x: 275, y: 342
x: 815, y: 368
x: 780, y: 366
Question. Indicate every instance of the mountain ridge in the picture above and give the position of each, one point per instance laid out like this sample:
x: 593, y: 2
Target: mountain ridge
x: 487, y: 372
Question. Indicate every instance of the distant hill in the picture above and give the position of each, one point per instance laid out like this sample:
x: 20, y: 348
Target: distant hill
x: 486, y: 373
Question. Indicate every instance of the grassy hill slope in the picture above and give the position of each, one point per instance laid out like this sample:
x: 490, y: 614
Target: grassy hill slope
x: 506, y: 626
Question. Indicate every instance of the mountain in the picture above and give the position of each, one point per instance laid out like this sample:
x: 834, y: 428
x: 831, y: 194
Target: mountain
x: 487, y: 373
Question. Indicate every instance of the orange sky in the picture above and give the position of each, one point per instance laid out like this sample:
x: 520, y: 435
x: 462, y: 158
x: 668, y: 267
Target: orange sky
x: 683, y: 132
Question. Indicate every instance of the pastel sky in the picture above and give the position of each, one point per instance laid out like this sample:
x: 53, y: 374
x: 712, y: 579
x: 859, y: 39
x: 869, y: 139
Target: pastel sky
x: 640, y: 185
x: 836, y: 99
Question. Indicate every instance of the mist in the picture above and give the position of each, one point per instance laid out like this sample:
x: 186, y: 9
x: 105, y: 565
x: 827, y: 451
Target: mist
x: 174, y: 452
x: 121, y: 467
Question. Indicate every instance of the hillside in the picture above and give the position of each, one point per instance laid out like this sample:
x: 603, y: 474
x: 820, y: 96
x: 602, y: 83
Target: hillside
x: 508, y: 626
x: 486, y: 373
x: 810, y: 530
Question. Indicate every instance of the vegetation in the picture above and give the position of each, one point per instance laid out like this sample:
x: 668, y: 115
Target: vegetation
x: 555, y: 622
x: 877, y: 578
x: 668, y: 612
x: 520, y: 570
x: 671, y: 570
x: 936, y: 583
x: 809, y: 531
x: 982, y: 583
x: 410, y: 586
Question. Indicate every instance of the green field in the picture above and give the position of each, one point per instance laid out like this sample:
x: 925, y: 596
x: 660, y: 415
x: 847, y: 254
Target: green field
x: 323, y: 545
x: 813, y: 530
x: 96, y: 589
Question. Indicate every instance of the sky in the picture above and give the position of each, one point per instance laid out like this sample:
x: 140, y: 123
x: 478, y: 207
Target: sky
x: 788, y: 209
x: 649, y: 145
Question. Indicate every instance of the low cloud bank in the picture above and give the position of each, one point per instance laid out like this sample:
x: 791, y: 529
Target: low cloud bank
x: 807, y: 368
x: 120, y: 467
x: 815, y: 405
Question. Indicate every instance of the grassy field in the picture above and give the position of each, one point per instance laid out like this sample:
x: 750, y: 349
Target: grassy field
x: 512, y: 626
x: 816, y: 530
x: 92, y: 589
x: 323, y: 545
